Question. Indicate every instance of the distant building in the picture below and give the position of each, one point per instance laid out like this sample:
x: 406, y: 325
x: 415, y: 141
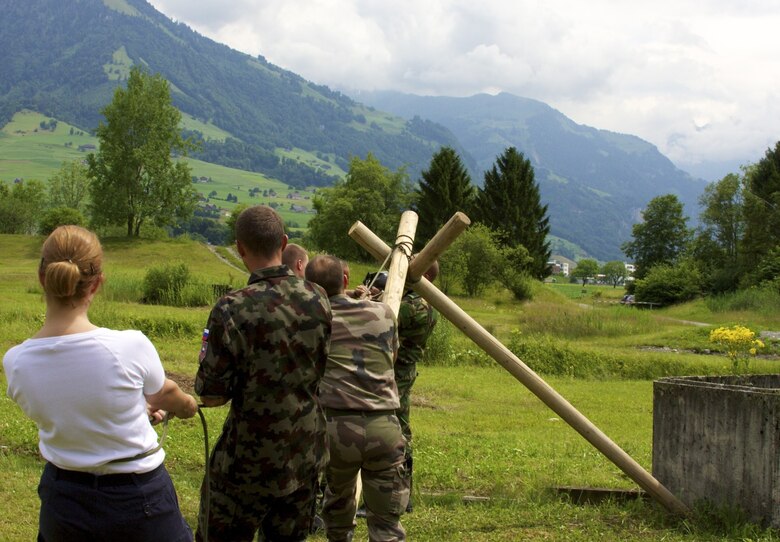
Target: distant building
x: 558, y: 268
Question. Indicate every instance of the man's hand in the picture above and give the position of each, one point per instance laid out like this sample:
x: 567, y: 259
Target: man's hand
x: 361, y: 291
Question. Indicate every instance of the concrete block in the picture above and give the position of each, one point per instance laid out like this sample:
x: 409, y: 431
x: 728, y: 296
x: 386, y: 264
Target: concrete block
x: 717, y: 438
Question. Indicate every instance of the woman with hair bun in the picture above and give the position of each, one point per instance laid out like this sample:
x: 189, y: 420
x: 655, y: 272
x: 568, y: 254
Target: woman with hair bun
x: 92, y: 392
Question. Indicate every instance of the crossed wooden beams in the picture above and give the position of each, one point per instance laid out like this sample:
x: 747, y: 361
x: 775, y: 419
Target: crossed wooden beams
x: 400, y: 269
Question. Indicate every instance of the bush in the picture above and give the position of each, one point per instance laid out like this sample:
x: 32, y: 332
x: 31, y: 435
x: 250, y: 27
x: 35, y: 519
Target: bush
x: 512, y: 269
x: 163, y: 285
x: 438, y: 348
x: 667, y: 285
x: 60, y: 216
x: 551, y: 356
x: 520, y: 284
x: 471, y: 261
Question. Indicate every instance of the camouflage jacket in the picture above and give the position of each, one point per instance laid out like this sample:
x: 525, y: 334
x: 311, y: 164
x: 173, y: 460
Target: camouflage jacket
x: 359, y: 373
x: 265, y: 349
x: 416, y: 319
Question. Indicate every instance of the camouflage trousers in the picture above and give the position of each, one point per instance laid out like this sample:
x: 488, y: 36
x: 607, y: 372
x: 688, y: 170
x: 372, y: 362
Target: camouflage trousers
x: 236, y: 515
x: 372, y: 444
x: 405, y: 376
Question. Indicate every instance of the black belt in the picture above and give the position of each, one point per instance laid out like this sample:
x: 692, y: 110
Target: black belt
x: 363, y: 413
x: 103, y: 480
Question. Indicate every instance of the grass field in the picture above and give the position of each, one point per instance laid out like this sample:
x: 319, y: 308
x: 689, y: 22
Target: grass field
x: 488, y: 453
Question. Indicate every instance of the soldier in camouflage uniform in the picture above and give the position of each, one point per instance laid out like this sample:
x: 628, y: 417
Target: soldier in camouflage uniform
x: 416, y: 319
x: 295, y: 257
x: 265, y: 351
x: 359, y: 396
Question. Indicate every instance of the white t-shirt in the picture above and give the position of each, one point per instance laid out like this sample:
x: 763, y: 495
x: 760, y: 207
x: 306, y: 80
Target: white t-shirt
x: 85, y: 392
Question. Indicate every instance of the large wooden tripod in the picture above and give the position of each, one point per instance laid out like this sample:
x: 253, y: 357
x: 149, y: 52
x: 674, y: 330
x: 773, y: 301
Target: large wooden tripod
x: 401, y: 273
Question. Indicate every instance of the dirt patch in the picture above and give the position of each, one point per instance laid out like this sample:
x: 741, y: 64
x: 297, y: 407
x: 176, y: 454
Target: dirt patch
x: 186, y: 383
x: 420, y: 401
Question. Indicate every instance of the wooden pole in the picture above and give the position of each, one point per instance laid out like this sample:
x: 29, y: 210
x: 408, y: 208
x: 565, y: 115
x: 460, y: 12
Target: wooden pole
x: 399, y: 261
x: 436, y: 246
x: 396, y: 281
x: 450, y: 310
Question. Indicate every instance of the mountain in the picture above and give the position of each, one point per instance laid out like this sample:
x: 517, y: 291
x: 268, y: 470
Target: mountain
x: 65, y: 58
x: 596, y: 182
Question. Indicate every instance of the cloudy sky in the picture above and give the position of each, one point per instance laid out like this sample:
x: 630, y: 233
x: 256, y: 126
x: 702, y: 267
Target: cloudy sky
x: 700, y: 79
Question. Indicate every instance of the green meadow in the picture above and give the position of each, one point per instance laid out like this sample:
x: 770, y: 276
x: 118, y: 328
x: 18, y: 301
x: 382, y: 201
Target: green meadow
x: 28, y: 151
x: 489, y: 456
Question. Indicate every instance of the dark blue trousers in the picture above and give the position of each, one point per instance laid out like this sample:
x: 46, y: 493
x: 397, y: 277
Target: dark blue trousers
x: 77, y: 506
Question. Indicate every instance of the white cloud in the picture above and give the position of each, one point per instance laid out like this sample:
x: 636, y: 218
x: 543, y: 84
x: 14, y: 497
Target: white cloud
x: 696, y: 78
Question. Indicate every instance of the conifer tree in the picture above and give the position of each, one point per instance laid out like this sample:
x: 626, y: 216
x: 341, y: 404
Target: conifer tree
x: 509, y: 203
x: 444, y: 189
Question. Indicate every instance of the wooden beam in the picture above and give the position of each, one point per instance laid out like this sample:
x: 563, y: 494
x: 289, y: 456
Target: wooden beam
x: 450, y: 310
x: 436, y: 246
x: 399, y: 261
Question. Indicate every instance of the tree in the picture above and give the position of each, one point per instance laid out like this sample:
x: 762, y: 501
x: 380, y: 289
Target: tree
x: 69, y: 187
x: 661, y: 238
x: 509, y: 203
x: 230, y: 222
x: 370, y: 193
x: 586, y: 268
x: 444, y: 189
x: 614, y: 272
x: 472, y: 261
x: 134, y: 178
x: 716, y: 247
x: 21, y: 205
x: 762, y: 208
x: 722, y: 216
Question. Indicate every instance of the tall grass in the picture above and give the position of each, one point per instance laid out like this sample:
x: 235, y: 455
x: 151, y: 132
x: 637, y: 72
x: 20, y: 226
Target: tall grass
x: 764, y: 300
x: 573, y: 322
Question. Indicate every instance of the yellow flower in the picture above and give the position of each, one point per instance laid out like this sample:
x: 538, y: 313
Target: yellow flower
x: 739, y: 342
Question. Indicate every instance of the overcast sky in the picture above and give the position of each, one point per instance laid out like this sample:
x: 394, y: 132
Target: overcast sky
x: 699, y: 79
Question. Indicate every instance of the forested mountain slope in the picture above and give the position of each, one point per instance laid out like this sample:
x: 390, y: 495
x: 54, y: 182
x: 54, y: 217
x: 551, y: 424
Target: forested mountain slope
x: 595, y: 181
x: 64, y: 59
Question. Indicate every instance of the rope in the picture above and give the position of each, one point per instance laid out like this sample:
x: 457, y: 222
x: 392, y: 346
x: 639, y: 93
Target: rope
x: 403, y: 246
x: 206, y: 477
x: 153, y: 450
x: 406, y: 246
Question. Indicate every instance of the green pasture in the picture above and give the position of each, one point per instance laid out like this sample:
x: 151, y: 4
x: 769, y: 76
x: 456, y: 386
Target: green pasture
x: 489, y: 454
x: 29, y: 152
x: 224, y: 181
x: 388, y: 123
x: 311, y: 159
x: 208, y: 130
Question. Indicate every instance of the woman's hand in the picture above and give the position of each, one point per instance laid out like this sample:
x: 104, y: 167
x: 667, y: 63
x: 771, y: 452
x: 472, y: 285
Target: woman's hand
x: 155, y: 416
